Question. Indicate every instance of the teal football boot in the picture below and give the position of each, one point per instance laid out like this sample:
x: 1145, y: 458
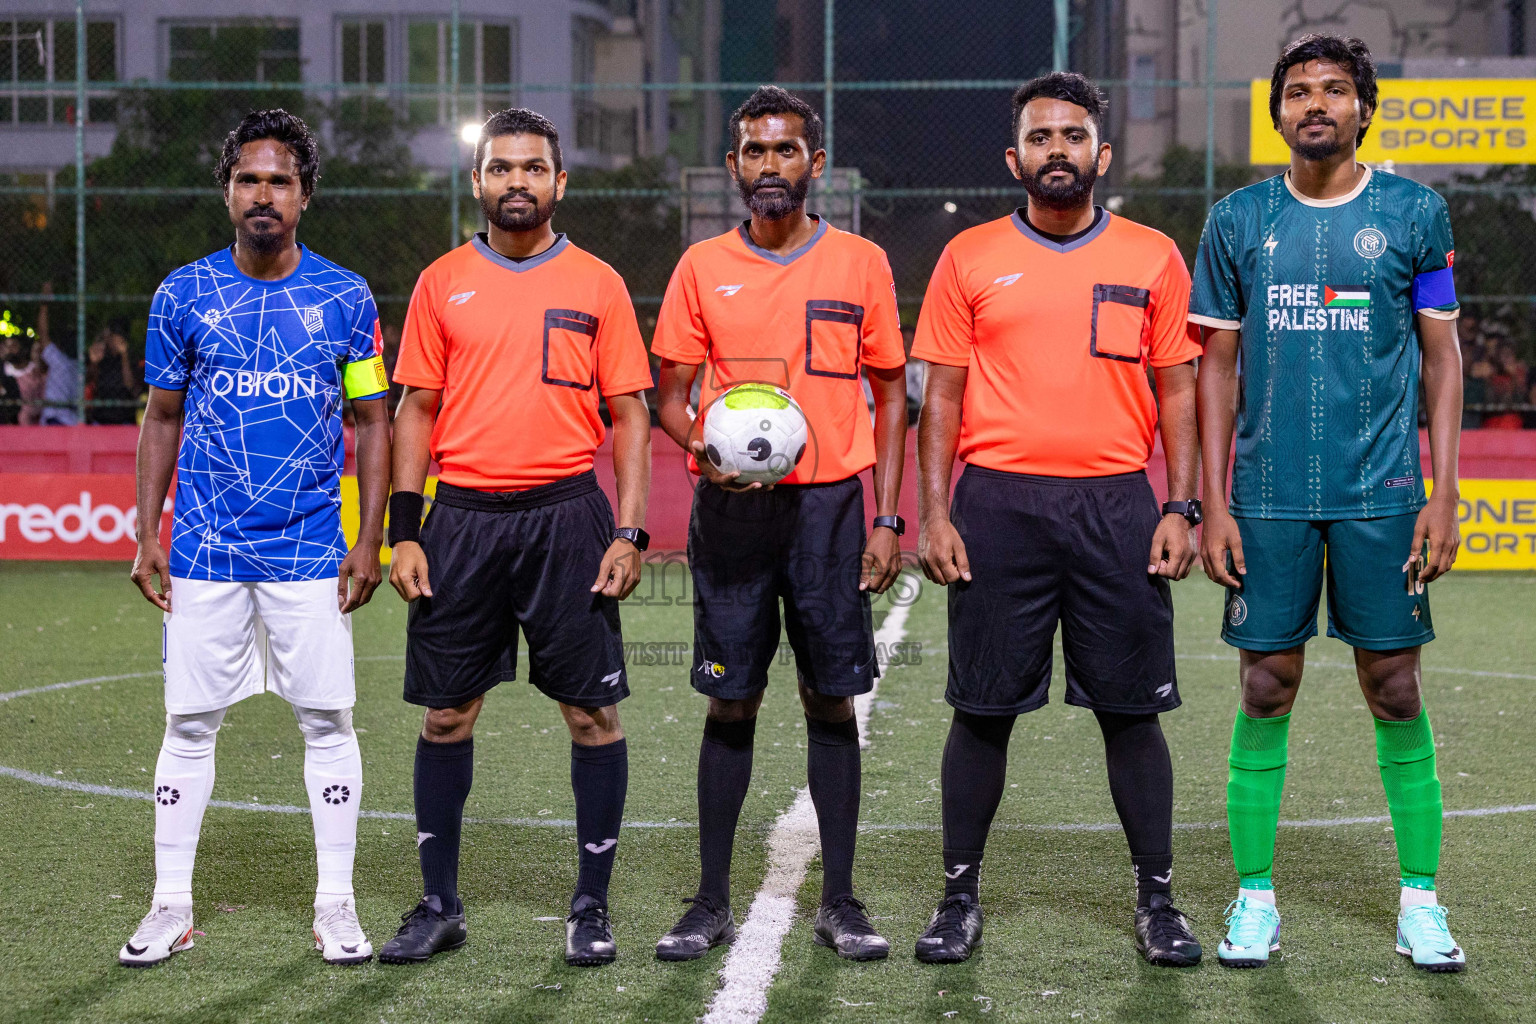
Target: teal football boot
x: 1422, y: 935
x: 1253, y: 932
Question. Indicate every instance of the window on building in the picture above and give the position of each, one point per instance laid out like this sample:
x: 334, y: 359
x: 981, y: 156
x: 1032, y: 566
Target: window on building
x: 487, y: 68
x: 607, y: 130
x: 1143, y: 97
x: 363, y: 52
x: 41, y: 54
x: 232, y: 51
x: 589, y: 115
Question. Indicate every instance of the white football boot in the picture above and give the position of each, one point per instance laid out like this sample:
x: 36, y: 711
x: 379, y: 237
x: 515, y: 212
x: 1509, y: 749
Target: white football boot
x: 166, y: 929
x: 338, y: 936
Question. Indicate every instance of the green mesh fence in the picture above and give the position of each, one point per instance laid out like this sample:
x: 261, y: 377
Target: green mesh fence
x: 915, y: 99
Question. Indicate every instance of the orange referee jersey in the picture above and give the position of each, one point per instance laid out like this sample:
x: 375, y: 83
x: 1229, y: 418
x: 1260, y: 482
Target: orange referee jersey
x: 808, y: 322
x: 521, y: 352
x: 1057, y: 339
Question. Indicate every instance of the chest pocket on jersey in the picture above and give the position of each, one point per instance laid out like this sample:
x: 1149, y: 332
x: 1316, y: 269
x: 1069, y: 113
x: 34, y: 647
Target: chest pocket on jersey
x: 569, y: 337
x: 834, y: 334
x: 1119, y: 317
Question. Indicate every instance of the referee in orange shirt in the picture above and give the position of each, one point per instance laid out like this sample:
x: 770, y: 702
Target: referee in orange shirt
x: 787, y: 297
x: 508, y: 344
x: 1040, y: 328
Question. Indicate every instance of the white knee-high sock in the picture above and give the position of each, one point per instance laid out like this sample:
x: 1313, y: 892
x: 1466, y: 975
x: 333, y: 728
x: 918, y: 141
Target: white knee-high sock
x: 183, y: 783
x: 333, y: 774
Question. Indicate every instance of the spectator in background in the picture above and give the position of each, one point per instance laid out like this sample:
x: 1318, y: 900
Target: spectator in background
x: 61, y: 383
x: 11, y: 355
x: 391, y: 335
x: 25, y: 367
x: 111, y: 376
x: 1507, y: 388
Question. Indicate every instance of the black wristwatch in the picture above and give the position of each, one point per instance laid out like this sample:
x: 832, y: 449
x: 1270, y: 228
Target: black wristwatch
x: 636, y: 536
x: 1188, y: 509
x: 896, y: 523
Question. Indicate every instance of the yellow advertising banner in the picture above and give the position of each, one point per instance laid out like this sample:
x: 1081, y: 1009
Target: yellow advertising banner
x: 1498, y: 524
x: 349, y: 510
x: 1426, y: 121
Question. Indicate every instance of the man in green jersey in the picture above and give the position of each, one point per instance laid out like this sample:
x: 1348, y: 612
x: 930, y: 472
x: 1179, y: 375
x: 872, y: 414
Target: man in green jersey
x: 1333, y: 283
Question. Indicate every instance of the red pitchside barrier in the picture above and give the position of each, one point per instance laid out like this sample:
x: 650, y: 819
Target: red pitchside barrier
x: 67, y: 492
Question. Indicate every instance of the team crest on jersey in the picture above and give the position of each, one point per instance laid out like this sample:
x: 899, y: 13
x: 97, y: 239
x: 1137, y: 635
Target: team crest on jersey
x: 211, y: 317
x: 1237, y: 611
x: 1370, y: 243
x: 314, y: 320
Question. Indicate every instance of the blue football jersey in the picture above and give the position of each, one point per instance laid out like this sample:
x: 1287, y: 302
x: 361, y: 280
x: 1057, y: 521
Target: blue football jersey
x: 258, y: 487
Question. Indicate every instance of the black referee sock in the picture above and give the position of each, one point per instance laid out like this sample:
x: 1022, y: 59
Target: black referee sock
x: 974, y: 770
x: 599, y: 778
x: 725, y: 772
x: 443, y: 775
x: 1141, y: 782
x: 832, y: 764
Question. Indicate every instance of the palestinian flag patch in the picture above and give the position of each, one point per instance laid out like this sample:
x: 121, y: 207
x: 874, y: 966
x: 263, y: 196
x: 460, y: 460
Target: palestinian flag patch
x: 1346, y: 296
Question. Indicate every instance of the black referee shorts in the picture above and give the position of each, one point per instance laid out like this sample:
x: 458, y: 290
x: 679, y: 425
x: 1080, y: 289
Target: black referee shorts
x: 503, y: 560
x: 802, y: 543
x: 1044, y: 550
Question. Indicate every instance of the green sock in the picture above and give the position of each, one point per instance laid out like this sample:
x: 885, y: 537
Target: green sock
x: 1406, y: 753
x: 1255, y: 783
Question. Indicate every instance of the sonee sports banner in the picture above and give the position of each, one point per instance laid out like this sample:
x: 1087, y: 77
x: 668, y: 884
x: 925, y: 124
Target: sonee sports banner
x: 1426, y: 121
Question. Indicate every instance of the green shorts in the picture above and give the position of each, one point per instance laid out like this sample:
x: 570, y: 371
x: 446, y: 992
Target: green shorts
x: 1369, y: 602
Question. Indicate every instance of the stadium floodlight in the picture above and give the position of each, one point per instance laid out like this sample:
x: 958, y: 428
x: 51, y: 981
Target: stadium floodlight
x: 470, y: 132
x: 950, y: 207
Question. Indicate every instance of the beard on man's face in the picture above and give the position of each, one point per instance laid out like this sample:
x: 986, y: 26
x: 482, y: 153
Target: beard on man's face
x: 517, y: 218
x: 772, y: 197
x: 1067, y: 194
x: 1318, y: 149
x: 261, y: 230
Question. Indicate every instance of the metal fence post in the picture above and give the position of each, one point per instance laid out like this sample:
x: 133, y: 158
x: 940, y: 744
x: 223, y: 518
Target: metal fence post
x: 1059, y: 43
x: 453, y: 128
x: 80, y: 207
x: 1210, y: 104
x: 826, y: 77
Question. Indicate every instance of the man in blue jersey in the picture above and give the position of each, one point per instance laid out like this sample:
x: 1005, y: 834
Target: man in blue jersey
x: 250, y: 353
x: 1333, y: 284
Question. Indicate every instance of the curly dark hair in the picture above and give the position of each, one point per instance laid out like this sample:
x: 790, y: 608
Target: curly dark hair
x: 1062, y: 85
x: 281, y: 126
x: 1351, y: 54
x: 770, y: 99
x: 518, y: 121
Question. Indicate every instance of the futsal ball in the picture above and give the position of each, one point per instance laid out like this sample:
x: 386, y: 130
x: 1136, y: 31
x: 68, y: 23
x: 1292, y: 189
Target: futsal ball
x: 757, y: 429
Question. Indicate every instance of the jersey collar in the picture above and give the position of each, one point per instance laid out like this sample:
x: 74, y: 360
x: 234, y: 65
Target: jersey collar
x: 483, y: 247
x: 783, y: 261
x: 298, y: 268
x: 1077, y: 243
x: 1324, y: 204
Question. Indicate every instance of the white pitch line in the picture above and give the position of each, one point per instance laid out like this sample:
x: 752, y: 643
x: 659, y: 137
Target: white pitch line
x: 754, y: 958
x: 52, y: 782
x: 73, y: 683
x: 1428, y: 670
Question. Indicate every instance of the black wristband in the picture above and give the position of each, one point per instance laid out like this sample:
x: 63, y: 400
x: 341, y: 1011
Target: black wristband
x: 405, y: 516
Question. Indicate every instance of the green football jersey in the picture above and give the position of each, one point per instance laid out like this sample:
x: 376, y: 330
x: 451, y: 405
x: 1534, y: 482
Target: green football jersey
x: 1325, y: 293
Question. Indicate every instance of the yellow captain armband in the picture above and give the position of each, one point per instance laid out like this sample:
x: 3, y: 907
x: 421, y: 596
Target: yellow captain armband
x: 364, y: 378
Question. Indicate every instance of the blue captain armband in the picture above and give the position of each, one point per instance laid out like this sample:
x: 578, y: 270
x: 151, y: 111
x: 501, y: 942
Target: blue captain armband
x: 1434, y: 291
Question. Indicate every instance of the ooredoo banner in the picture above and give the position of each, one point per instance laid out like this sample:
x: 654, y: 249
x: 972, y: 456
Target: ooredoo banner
x: 69, y: 516
x: 91, y: 515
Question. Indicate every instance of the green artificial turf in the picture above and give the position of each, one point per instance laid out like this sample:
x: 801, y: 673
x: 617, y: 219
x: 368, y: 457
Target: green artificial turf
x: 78, y: 865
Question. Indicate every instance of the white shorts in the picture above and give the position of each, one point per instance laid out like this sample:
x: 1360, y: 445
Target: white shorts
x: 224, y: 641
